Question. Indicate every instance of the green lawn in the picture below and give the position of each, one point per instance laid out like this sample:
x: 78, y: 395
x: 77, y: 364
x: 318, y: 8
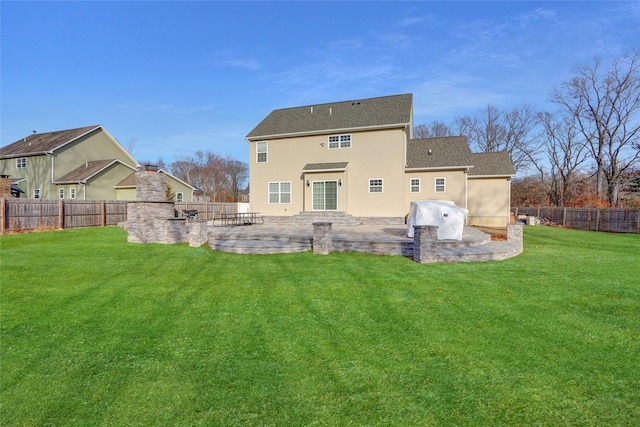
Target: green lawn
x: 97, y: 331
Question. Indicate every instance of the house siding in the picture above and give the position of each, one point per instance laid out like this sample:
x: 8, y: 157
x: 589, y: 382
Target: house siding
x: 489, y: 201
x: 455, y: 187
x: 37, y: 174
x: 373, y: 154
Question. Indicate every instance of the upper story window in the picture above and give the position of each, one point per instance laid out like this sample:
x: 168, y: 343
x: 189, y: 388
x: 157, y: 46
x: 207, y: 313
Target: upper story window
x: 61, y: 193
x: 340, y: 141
x: 36, y: 193
x: 21, y: 162
x: 179, y: 197
x: 261, y: 152
x: 72, y: 193
x: 415, y: 185
x: 375, y: 185
x: 440, y: 185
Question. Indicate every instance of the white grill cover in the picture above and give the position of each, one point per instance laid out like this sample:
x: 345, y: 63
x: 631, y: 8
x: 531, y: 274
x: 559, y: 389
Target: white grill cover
x: 445, y: 214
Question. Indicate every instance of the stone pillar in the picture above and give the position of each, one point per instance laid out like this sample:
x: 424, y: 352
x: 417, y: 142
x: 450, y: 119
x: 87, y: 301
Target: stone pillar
x: 514, y: 232
x: 5, y: 186
x: 169, y: 230
x: 198, y: 233
x: 321, y: 238
x: 425, y: 244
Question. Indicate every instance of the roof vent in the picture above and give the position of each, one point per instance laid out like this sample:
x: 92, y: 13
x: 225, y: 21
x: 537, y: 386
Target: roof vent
x: 330, y: 112
x: 311, y: 110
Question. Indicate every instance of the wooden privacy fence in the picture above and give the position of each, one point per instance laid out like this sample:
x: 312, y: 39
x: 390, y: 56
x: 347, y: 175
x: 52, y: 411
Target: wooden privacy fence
x: 29, y: 214
x: 18, y: 215
x: 615, y: 220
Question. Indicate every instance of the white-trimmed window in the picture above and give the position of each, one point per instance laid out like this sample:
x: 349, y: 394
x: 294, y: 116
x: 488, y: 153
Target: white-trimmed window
x: 280, y: 192
x: 36, y: 193
x: 262, y: 148
x: 440, y: 185
x: 375, y: 185
x: 72, y: 193
x: 340, y: 141
x: 414, y: 185
x: 60, y: 193
x: 21, y: 162
x: 179, y: 197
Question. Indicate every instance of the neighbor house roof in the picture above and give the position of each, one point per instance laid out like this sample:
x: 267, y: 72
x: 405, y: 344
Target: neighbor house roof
x: 130, y: 180
x: 453, y: 152
x: 41, y: 143
x: 382, y: 112
x: 84, y: 172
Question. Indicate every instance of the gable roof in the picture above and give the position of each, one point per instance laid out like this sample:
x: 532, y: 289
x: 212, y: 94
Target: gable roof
x: 453, y: 152
x: 41, y: 143
x: 382, y: 112
x: 130, y: 180
x: 83, y: 173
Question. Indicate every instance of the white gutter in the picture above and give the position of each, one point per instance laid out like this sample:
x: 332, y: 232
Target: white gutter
x: 490, y: 176
x: 441, y: 168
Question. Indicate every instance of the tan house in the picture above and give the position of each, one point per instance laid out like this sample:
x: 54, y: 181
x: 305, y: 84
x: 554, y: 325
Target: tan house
x: 84, y: 163
x: 359, y: 157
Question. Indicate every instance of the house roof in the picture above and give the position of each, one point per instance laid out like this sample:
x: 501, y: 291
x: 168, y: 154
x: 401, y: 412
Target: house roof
x: 317, y: 167
x: 453, y: 152
x: 41, y: 143
x: 382, y: 112
x: 130, y: 180
x: 86, y: 171
x: 491, y: 164
x: 443, y: 152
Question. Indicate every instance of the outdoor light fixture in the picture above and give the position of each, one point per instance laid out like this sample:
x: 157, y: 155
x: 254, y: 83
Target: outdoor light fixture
x: 308, y: 183
x: 340, y: 182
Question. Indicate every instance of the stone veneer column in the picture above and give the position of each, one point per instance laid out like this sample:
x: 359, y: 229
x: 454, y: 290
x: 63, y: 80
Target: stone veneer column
x: 514, y: 232
x: 425, y: 244
x: 198, y: 233
x: 321, y: 238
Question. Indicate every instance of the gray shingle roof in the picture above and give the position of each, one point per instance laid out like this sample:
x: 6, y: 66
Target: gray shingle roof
x: 310, y: 167
x: 438, y: 152
x: 453, y: 151
x: 342, y: 116
x: 40, y: 143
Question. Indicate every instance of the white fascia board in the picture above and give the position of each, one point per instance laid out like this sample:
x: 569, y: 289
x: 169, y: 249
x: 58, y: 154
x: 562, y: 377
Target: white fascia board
x: 135, y: 162
x: 325, y: 132
x: 324, y: 170
x: 490, y: 176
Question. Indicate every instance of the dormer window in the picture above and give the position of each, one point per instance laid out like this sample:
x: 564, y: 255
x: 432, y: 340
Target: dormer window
x: 340, y: 141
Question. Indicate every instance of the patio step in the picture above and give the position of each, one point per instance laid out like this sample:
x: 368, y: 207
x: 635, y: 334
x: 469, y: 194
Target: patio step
x: 308, y: 218
x: 264, y: 244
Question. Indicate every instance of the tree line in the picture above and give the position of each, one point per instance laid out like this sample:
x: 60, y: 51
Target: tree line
x: 584, y: 152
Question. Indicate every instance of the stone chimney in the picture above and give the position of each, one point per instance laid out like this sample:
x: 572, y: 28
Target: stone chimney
x: 5, y: 186
x: 151, y: 186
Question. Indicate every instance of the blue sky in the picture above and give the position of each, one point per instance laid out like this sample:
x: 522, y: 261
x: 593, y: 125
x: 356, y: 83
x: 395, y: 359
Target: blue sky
x: 177, y: 77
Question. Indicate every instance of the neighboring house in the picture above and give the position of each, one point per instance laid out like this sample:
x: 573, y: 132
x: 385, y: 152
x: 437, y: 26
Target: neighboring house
x: 359, y: 157
x: 85, y: 163
x: 181, y: 190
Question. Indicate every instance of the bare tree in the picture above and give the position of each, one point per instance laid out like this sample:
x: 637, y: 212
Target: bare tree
x: 432, y: 130
x: 566, y: 154
x: 605, y: 104
x: 496, y: 130
x: 217, y: 177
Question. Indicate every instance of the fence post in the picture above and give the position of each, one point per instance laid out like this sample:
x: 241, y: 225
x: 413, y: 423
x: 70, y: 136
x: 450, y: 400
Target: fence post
x: 564, y: 217
x: 598, y: 220
x: 61, y: 214
x: 3, y: 214
x: 104, y: 213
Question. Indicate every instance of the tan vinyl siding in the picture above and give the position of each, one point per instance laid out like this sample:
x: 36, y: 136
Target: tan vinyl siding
x: 489, y: 201
x: 373, y: 154
x: 455, y: 187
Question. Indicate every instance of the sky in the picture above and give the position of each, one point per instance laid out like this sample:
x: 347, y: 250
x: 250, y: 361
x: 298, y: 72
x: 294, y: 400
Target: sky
x: 170, y: 78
